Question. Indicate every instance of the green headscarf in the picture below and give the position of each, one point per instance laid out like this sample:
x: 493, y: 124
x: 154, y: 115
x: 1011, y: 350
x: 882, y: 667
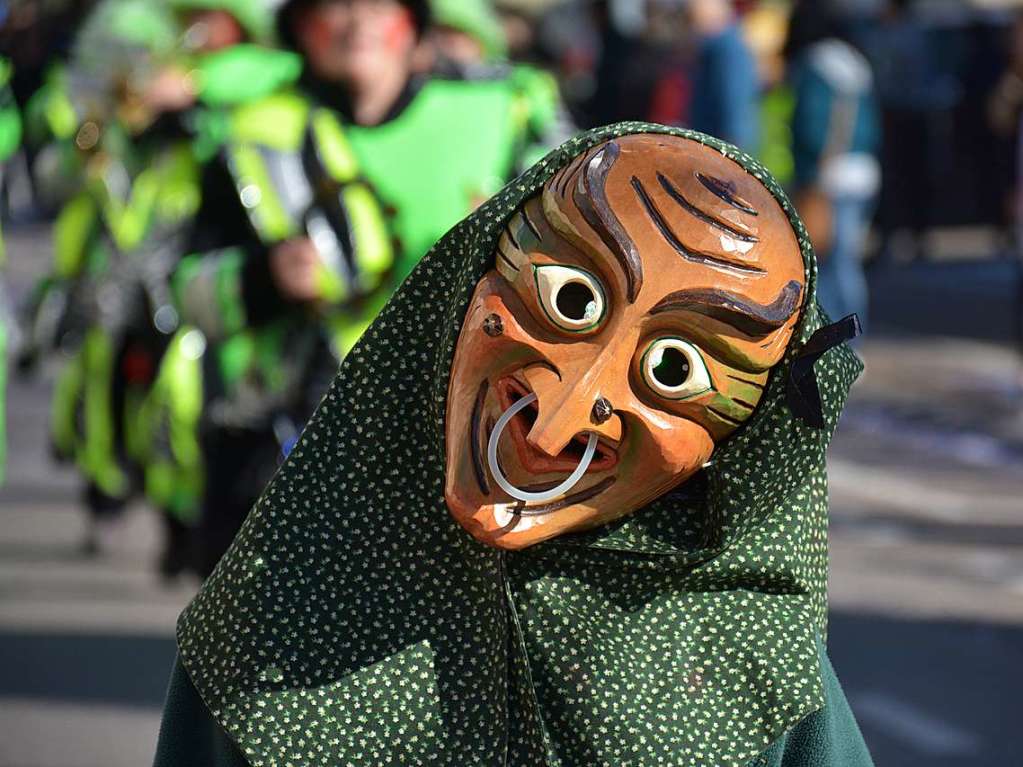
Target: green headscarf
x: 354, y: 622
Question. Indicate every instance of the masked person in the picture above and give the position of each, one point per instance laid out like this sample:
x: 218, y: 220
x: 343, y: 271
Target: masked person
x: 565, y: 503
x: 293, y: 231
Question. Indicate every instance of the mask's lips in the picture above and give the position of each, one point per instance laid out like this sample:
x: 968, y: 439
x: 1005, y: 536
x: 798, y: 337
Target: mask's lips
x: 509, y: 391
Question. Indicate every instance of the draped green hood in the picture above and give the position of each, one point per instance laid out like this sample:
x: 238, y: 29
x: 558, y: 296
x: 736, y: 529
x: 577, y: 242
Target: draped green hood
x: 353, y: 622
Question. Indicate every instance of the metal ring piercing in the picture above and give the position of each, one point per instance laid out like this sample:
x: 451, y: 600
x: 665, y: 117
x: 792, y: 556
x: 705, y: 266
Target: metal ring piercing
x: 523, y: 495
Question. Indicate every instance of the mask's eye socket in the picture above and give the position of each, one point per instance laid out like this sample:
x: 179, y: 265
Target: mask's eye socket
x: 675, y: 369
x: 572, y: 298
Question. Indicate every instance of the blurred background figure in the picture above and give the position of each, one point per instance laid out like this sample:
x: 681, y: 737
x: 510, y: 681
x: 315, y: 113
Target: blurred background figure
x: 726, y: 86
x: 105, y: 303
x: 324, y: 196
x: 464, y: 35
x: 835, y: 143
x: 912, y: 90
x: 1005, y: 112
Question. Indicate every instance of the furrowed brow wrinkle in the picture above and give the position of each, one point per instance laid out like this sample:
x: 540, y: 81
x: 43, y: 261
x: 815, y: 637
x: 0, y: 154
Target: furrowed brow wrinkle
x: 687, y: 253
x: 725, y: 191
x: 504, y: 257
x: 570, y: 170
x: 510, y: 231
x: 707, y: 218
x: 529, y: 222
x: 751, y: 318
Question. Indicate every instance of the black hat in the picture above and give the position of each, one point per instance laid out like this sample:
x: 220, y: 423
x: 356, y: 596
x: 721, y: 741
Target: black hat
x: 420, y: 11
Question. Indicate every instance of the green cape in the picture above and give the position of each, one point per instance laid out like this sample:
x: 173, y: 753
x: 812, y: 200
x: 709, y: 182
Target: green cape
x: 354, y: 622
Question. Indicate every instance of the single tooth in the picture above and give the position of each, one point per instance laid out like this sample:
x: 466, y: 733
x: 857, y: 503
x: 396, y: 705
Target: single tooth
x: 502, y: 515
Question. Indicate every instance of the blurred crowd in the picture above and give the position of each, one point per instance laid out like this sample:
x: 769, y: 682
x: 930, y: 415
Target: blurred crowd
x: 236, y: 187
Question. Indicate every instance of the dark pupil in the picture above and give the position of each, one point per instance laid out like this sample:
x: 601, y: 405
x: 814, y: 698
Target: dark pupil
x: 673, y: 369
x: 572, y: 300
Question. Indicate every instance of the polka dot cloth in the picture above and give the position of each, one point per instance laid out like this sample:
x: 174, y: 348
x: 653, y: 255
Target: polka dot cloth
x: 353, y: 622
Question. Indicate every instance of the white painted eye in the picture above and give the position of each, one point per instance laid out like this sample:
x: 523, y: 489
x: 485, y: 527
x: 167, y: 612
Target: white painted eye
x: 675, y: 369
x: 572, y: 298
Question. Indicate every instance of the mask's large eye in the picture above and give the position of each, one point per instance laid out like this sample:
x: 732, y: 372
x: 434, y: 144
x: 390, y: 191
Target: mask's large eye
x: 572, y: 298
x: 675, y: 369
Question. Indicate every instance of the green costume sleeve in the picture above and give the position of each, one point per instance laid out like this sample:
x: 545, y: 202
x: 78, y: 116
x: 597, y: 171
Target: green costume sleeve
x: 188, y: 735
x: 827, y: 738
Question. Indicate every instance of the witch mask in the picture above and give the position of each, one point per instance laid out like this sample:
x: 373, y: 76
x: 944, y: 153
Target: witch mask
x: 629, y: 325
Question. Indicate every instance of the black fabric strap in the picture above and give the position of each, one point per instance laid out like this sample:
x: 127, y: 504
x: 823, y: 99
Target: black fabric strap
x: 803, y: 394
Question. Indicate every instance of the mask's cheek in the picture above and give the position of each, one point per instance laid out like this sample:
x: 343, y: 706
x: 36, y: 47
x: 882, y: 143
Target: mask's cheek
x: 492, y: 344
x: 660, y: 453
x: 496, y: 340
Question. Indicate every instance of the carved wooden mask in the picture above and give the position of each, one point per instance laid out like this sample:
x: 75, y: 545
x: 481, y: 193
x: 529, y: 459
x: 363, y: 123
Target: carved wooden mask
x: 638, y: 302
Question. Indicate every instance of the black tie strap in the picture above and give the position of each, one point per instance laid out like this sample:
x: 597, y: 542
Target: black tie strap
x: 804, y: 396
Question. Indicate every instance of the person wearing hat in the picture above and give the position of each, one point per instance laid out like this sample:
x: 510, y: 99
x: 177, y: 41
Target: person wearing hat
x: 467, y: 41
x: 322, y: 198
x: 467, y: 32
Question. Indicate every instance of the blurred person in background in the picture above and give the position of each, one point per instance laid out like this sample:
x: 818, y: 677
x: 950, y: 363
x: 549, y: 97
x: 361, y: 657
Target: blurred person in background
x: 911, y: 91
x: 1005, y: 114
x: 10, y: 138
x: 227, y: 59
x: 766, y: 28
x: 672, y: 95
x: 835, y: 142
x: 135, y: 84
x: 105, y: 306
x: 627, y: 67
x: 466, y: 41
x: 463, y: 35
x: 323, y: 198
x: 726, y: 86
x: 38, y: 37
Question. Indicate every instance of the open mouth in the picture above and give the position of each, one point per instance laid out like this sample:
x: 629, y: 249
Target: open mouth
x: 509, y: 391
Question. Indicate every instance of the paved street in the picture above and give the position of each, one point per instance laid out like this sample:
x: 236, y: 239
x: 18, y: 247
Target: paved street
x: 927, y: 573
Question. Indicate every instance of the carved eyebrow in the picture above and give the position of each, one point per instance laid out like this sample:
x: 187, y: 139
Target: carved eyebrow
x: 725, y: 190
x: 687, y: 253
x: 751, y: 318
x: 590, y: 197
x: 707, y: 218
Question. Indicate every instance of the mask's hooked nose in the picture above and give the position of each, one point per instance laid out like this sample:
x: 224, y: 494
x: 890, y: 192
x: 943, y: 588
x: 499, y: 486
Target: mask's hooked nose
x: 566, y: 409
x: 524, y: 495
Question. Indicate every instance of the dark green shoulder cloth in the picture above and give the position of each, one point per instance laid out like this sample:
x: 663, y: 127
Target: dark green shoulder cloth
x: 189, y: 735
x: 827, y: 738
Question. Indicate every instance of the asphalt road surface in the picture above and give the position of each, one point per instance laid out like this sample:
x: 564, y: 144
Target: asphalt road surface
x: 927, y: 574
